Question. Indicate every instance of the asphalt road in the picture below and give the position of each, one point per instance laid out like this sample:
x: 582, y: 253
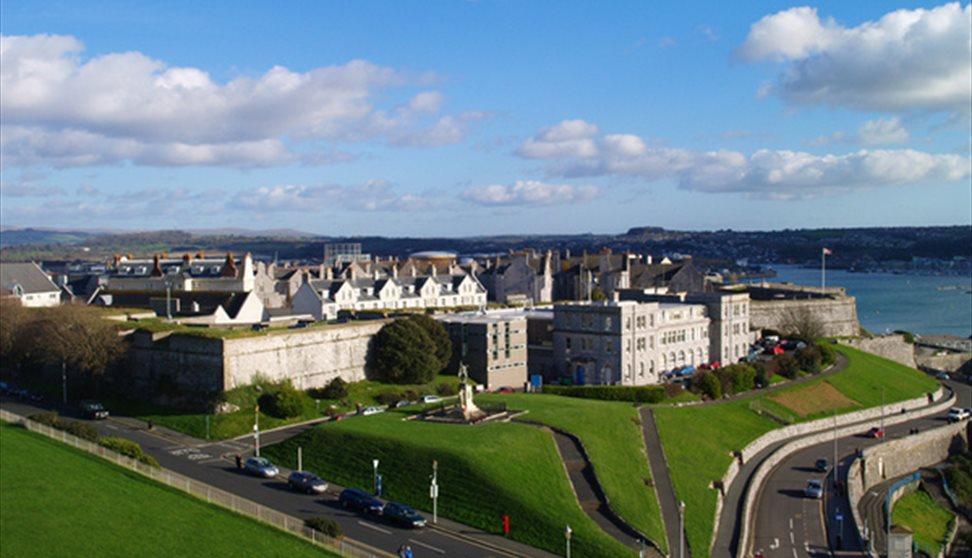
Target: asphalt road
x: 790, y: 525
x: 213, y: 464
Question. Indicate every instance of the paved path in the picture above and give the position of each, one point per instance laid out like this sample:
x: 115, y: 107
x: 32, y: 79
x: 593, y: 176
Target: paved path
x: 663, y: 481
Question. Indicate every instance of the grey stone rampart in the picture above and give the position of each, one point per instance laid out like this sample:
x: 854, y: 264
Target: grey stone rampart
x: 846, y: 427
x: 838, y: 316
x: 891, y: 347
x: 192, y: 363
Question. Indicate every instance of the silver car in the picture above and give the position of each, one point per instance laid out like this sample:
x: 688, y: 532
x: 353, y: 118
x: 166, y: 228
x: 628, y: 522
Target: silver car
x: 261, y: 467
x: 814, y: 489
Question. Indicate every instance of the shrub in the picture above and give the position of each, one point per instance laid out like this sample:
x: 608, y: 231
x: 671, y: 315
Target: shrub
x: 828, y: 355
x: 80, y: 429
x: 389, y: 397
x: 325, y: 525
x: 445, y: 388
x: 49, y: 418
x: 636, y: 394
x: 742, y: 377
x: 706, y: 383
x: 809, y: 359
x: 763, y: 374
x: 129, y: 448
x: 283, y: 402
x: 336, y: 389
x: 787, y: 364
x: 410, y: 394
x: 405, y: 354
x: 673, y: 390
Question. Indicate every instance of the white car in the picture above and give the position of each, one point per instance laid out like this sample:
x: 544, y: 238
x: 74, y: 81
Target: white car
x: 371, y: 411
x: 814, y: 489
x: 260, y: 467
x: 956, y: 414
x: 431, y: 399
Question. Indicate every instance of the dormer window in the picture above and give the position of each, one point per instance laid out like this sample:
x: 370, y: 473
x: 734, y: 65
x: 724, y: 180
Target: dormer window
x: 142, y: 269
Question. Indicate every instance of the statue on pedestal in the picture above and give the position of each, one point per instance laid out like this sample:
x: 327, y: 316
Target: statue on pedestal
x: 469, y: 409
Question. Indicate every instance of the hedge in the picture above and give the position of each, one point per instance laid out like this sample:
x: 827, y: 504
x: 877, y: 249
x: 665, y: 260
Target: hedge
x: 637, y: 394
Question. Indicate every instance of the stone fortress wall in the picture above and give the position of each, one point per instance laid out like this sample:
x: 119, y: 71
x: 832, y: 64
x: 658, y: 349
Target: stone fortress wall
x: 891, y: 347
x: 773, y: 305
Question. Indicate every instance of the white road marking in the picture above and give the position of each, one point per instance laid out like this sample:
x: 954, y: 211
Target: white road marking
x: 791, y: 523
x: 375, y: 527
x: 776, y: 544
x: 428, y: 546
x: 792, y: 538
x: 795, y: 555
x: 198, y: 456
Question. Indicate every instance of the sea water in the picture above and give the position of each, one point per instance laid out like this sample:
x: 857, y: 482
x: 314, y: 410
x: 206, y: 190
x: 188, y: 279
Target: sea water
x: 923, y: 304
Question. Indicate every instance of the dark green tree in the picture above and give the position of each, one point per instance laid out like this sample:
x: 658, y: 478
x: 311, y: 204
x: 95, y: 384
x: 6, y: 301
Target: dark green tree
x: 405, y: 354
x: 598, y: 295
x: 742, y: 377
x: 787, y: 365
x: 706, y: 383
x: 438, y: 334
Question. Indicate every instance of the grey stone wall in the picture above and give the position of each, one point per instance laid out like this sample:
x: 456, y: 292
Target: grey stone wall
x: 891, y: 347
x: 837, y: 316
x: 192, y: 363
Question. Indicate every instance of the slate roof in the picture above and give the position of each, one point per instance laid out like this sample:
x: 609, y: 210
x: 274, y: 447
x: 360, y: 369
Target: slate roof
x: 29, y: 276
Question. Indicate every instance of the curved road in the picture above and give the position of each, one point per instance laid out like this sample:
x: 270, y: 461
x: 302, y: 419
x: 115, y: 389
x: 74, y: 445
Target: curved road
x: 790, y: 525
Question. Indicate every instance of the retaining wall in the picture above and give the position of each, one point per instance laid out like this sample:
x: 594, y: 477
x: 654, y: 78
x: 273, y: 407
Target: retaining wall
x: 837, y: 316
x: 891, y: 347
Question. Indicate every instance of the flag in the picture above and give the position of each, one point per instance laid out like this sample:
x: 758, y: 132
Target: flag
x: 827, y: 252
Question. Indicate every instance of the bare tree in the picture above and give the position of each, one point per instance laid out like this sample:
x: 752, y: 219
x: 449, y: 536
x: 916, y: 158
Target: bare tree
x: 803, y: 322
x: 73, y: 334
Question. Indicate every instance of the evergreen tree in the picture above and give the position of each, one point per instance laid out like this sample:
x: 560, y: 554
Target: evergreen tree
x: 405, y: 354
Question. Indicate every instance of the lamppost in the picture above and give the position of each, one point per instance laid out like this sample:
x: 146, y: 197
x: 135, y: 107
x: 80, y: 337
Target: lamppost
x: 374, y: 463
x: 567, y: 533
x: 256, y: 431
x: 681, y: 529
x: 434, y: 491
x: 64, y: 380
x: 168, y: 299
x: 836, y: 462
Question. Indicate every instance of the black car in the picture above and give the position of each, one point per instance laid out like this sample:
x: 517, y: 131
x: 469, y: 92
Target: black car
x: 403, y: 515
x: 361, y: 501
x: 822, y: 465
x: 93, y: 410
x: 302, y: 481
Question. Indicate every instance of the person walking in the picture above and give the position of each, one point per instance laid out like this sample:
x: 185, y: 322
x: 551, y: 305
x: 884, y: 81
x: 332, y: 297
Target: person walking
x: 239, y: 461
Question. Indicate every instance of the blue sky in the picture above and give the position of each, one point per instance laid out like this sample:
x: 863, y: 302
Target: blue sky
x: 489, y: 117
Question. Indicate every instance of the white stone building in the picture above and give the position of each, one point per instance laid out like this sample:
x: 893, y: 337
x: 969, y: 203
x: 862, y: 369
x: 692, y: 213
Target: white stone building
x: 28, y: 283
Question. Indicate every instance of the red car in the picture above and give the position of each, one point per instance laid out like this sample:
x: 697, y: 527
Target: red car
x: 503, y: 390
x: 777, y: 350
x: 875, y: 432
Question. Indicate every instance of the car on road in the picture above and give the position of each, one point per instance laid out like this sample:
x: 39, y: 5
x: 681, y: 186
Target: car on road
x: 430, y: 399
x: 398, y: 512
x: 260, y: 467
x: 943, y: 376
x: 814, y: 489
x: 371, y: 411
x: 93, y: 410
x: 876, y: 432
x: 302, y: 481
x: 359, y: 500
x: 956, y: 414
x: 822, y: 465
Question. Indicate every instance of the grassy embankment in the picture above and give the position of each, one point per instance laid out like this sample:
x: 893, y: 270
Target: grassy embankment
x: 58, y: 501
x: 699, y: 441
x: 928, y: 521
x: 240, y: 422
x: 611, y: 434
x: 485, y: 472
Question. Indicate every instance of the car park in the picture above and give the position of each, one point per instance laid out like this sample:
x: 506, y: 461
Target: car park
x: 302, y: 481
x: 956, y: 414
x: 359, y: 500
x: 93, y: 410
x: 403, y: 515
x: 260, y: 467
x: 876, y: 432
x: 822, y: 465
x: 814, y: 489
x: 431, y: 399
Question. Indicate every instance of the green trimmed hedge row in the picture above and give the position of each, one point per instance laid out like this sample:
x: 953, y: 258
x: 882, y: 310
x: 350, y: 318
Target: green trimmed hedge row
x: 637, y: 394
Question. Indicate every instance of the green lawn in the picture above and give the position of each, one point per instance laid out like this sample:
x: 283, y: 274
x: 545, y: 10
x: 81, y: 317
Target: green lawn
x: 927, y: 520
x: 58, y: 501
x: 484, y: 472
x: 238, y: 423
x: 699, y: 441
x: 611, y: 433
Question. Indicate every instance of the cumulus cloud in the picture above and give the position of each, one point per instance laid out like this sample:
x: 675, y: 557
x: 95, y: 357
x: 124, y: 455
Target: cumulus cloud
x: 777, y: 174
x: 569, y: 138
x: 128, y: 106
x: 907, y: 60
x: 530, y: 193
x: 881, y: 131
x: 374, y: 195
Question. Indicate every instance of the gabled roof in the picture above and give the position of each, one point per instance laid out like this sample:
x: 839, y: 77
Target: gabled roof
x: 28, y: 276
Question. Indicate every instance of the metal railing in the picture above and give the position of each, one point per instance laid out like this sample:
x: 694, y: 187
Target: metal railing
x: 208, y: 493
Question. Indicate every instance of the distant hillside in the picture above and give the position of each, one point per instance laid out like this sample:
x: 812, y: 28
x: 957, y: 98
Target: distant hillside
x: 21, y: 237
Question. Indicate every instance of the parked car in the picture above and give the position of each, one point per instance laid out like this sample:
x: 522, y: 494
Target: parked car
x: 956, y: 414
x: 876, y: 432
x: 814, y: 489
x: 302, y: 481
x: 371, y: 411
x: 260, y: 467
x: 404, y: 515
x: 822, y: 465
x: 93, y: 410
x: 359, y: 500
x: 504, y: 389
x: 430, y: 399
x: 401, y: 403
x: 943, y: 376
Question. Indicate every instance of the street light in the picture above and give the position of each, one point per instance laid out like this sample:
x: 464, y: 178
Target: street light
x: 374, y: 462
x: 681, y: 529
x: 434, y: 491
x: 256, y: 431
x: 567, y: 533
x: 168, y: 299
x: 64, y: 379
x: 836, y: 462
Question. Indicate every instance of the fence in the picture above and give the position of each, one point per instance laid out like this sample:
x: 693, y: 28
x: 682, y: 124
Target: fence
x: 263, y: 514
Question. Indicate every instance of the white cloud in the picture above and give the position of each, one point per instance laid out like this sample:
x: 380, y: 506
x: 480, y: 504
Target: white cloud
x: 883, y: 131
x: 374, y: 195
x: 128, y: 106
x: 906, y: 60
x: 530, y: 193
x: 777, y: 174
x: 709, y: 32
x: 569, y: 138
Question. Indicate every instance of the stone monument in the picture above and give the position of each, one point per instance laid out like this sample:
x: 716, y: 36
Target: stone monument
x: 469, y: 409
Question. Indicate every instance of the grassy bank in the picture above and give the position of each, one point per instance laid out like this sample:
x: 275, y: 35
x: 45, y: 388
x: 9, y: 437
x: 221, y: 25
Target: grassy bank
x: 485, y: 472
x: 927, y: 520
x: 58, y: 501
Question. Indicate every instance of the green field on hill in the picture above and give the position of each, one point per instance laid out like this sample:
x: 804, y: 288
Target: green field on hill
x: 485, y: 472
x: 58, y: 501
x: 699, y: 441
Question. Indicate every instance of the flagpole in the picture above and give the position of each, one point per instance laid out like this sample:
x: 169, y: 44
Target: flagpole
x: 823, y: 269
